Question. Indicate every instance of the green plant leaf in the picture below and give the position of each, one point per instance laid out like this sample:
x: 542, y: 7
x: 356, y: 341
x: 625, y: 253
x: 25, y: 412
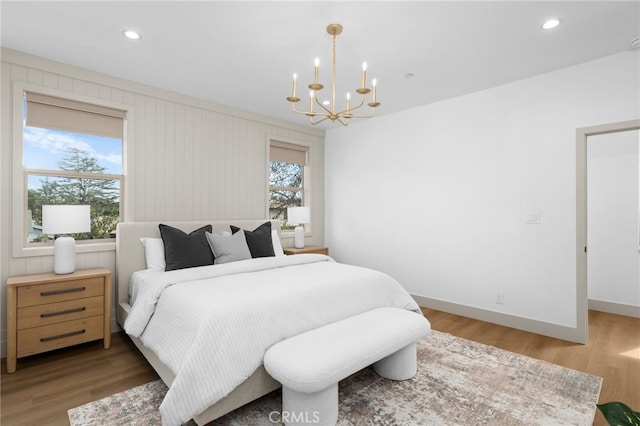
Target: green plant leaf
x: 619, y: 414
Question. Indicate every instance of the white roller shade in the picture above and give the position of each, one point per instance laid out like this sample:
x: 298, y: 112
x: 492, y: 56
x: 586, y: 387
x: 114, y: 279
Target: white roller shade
x: 288, y: 153
x: 50, y: 112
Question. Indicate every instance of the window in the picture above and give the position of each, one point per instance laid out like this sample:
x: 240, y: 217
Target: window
x: 287, y: 169
x: 72, y: 153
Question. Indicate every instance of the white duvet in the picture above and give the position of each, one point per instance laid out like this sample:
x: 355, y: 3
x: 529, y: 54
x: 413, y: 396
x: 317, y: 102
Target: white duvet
x: 211, y: 325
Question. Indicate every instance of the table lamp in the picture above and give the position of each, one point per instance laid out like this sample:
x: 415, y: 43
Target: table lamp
x: 298, y: 216
x: 61, y: 220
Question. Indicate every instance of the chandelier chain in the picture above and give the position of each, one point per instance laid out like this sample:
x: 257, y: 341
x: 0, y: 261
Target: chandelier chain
x: 333, y: 85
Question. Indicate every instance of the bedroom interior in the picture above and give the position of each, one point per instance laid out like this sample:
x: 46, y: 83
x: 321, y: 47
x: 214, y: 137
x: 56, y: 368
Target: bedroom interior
x: 479, y: 150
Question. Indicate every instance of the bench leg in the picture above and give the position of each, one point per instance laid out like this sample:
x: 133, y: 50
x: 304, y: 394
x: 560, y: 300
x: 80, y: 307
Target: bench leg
x: 317, y: 408
x: 400, y: 365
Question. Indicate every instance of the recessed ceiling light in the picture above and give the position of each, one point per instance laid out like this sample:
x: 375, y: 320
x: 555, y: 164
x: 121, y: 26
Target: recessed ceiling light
x: 133, y: 35
x: 550, y: 23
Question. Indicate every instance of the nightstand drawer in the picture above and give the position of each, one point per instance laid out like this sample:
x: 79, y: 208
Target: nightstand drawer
x: 307, y: 249
x: 60, y: 291
x: 39, y: 315
x: 42, y: 339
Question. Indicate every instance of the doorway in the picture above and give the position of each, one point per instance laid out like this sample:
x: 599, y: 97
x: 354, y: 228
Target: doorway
x: 582, y: 306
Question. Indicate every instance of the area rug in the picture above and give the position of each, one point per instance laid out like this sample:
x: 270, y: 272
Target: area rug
x: 459, y: 382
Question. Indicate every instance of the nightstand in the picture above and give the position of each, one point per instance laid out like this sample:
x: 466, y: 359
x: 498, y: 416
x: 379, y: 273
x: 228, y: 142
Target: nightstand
x: 307, y: 249
x: 49, y: 311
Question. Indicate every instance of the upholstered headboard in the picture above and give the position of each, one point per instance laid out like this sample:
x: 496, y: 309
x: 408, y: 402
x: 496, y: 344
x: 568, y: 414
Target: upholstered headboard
x: 130, y: 252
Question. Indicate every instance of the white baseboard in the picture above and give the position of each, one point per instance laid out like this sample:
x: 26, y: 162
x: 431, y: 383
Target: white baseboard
x: 507, y: 320
x: 614, y: 308
x: 115, y: 327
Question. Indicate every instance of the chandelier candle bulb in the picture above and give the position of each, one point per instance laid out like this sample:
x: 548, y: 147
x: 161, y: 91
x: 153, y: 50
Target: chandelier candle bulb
x: 295, y: 81
x: 348, y: 101
x: 374, y: 83
x: 293, y: 98
x: 364, y: 74
x: 316, y: 64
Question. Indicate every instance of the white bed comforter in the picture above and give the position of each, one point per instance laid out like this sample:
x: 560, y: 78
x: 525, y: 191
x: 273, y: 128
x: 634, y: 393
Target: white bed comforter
x: 211, y: 325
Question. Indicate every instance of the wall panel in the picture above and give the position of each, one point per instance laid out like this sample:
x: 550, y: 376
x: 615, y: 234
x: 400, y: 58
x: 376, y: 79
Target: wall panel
x: 187, y: 159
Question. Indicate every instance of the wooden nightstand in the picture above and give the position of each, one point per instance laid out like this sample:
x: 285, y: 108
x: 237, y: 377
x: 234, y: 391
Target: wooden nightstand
x: 307, y: 249
x: 49, y: 311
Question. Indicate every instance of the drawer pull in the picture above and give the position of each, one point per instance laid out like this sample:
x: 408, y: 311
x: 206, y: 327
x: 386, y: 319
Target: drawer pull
x: 68, y: 311
x: 66, y: 290
x: 61, y: 336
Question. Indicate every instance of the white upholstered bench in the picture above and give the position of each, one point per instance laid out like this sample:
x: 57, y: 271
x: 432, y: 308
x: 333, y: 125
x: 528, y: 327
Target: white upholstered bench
x: 310, y: 365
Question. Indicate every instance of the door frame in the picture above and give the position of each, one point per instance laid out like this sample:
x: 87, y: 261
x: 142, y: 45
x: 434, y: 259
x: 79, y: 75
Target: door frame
x: 582, y: 303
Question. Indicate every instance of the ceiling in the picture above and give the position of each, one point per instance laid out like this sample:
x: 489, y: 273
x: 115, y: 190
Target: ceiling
x: 243, y: 54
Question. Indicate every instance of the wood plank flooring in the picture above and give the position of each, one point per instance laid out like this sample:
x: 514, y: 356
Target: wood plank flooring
x: 45, y: 386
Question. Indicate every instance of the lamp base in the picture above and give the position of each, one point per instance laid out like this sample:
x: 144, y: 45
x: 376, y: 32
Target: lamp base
x: 64, y: 255
x: 298, y: 237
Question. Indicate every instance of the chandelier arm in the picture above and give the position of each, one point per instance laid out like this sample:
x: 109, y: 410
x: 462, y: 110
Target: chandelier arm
x: 371, y: 114
x: 348, y: 114
x: 357, y: 106
x: 319, y: 121
x: 323, y: 107
x: 345, y: 122
x: 307, y: 113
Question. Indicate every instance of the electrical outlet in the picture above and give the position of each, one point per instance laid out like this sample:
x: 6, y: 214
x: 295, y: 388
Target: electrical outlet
x: 499, y: 297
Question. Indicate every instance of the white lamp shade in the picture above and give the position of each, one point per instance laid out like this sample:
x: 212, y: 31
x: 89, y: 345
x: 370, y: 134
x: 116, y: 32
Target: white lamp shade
x: 65, y: 219
x: 298, y: 215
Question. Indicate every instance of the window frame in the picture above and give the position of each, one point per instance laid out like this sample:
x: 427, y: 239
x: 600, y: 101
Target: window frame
x: 306, y: 178
x: 21, y: 247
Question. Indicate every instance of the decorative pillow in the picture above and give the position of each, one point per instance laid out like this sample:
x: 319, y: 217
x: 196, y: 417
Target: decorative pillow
x: 182, y: 250
x: 277, y: 245
x: 153, y: 253
x: 229, y: 248
x: 258, y: 240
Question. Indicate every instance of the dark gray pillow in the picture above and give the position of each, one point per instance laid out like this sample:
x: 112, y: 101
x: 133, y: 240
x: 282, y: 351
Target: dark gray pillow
x: 229, y: 248
x: 182, y: 250
x: 258, y: 240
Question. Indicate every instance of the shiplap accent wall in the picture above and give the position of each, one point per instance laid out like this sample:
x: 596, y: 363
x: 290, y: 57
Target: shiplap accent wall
x: 187, y: 159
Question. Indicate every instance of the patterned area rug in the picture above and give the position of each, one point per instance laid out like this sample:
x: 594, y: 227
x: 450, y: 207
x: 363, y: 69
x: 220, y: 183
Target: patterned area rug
x: 459, y: 382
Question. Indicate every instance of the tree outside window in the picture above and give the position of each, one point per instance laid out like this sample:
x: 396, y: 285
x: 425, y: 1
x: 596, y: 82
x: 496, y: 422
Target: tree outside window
x: 286, y: 180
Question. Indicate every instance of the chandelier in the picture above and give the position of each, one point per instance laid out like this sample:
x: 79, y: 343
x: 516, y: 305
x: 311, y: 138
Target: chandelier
x: 324, y: 112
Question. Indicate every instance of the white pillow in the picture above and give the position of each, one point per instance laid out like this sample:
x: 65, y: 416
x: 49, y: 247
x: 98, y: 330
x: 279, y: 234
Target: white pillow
x: 154, y: 253
x: 277, y: 245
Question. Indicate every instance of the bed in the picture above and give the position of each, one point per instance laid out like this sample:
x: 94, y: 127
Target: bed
x: 246, y: 306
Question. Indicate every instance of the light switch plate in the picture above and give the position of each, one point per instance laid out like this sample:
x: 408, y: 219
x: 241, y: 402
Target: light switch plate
x: 533, y: 218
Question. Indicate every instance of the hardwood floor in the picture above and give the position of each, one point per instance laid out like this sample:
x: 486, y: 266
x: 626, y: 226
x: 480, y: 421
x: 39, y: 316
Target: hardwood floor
x: 45, y: 386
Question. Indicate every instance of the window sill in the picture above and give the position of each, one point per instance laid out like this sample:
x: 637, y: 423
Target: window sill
x: 47, y: 250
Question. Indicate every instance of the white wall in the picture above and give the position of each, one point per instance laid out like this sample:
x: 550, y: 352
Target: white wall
x: 438, y: 196
x: 187, y: 159
x: 612, y: 211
